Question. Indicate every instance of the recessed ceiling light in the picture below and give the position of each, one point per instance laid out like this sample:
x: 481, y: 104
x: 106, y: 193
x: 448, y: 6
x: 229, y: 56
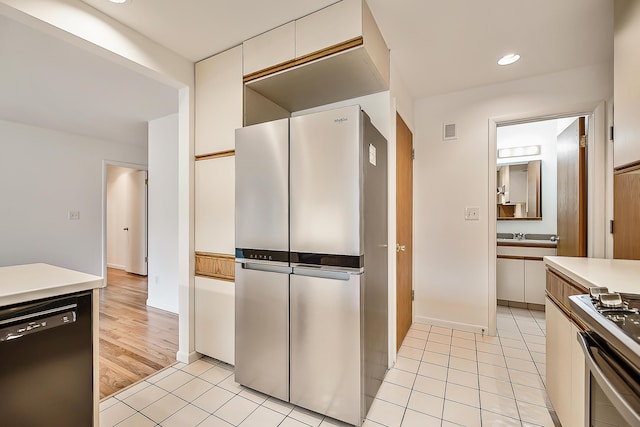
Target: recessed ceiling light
x: 118, y: 1
x: 508, y: 59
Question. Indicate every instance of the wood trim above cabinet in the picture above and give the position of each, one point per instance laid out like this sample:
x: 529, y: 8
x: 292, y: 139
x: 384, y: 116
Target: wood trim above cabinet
x: 525, y: 258
x: 629, y: 167
x: 528, y: 245
x: 226, y: 153
x: 217, y: 266
x: 340, y: 47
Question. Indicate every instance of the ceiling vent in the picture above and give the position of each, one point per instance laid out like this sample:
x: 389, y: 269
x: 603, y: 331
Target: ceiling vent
x: 449, y: 131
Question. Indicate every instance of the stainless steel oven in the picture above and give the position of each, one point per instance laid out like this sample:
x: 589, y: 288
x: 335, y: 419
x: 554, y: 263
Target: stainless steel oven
x: 611, y: 347
x: 612, y: 386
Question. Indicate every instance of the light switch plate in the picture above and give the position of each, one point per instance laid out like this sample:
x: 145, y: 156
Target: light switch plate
x: 472, y: 213
x: 74, y: 215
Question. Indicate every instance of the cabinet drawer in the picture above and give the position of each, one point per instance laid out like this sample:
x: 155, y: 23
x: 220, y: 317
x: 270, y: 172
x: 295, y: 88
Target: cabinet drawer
x: 269, y: 49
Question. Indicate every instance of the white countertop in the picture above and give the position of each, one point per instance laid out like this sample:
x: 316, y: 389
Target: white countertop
x: 29, y: 282
x: 619, y: 275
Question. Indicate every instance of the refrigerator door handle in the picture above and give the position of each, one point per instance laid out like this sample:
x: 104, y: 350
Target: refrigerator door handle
x: 266, y: 267
x: 320, y: 273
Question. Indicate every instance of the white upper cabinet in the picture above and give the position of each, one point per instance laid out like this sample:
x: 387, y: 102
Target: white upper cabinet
x: 339, y: 54
x: 328, y: 27
x: 215, y: 205
x: 218, y: 99
x: 270, y: 49
x: 626, y: 90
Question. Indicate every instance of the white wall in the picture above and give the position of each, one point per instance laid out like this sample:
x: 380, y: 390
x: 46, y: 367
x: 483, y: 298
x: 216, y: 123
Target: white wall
x: 454, y: 277
x: 86, y: 27
x: 163, y: 214
x: 43, y: 175
x: 543, y: 133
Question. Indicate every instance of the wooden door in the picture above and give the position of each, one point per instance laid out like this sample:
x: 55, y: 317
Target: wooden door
x: 572, y: 191
x: 626, y: 214
x: 136, y: 260
x: 404, y: 228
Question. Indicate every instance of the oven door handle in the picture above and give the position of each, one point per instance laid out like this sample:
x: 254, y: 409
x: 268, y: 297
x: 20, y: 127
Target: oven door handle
x: 617, y: 399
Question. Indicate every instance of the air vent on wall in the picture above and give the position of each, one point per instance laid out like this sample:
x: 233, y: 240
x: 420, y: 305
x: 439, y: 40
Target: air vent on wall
x: 449, y: 131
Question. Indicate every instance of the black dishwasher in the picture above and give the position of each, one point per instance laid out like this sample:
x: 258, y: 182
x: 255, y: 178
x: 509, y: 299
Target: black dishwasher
x: 46, y: 363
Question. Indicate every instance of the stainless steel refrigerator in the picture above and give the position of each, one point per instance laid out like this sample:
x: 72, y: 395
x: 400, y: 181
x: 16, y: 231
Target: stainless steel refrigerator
x: 311, y: 261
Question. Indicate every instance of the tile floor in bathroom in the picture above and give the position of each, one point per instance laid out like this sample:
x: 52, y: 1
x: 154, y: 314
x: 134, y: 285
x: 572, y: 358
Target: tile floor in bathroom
x: 442, y: 377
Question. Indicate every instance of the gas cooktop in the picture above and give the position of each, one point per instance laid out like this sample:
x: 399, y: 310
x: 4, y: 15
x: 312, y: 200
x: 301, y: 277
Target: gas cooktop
x: 621, y: 309
x: 613, y: 316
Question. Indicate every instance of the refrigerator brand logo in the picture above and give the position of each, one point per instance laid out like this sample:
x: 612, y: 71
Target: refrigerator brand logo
x: 340, y: 120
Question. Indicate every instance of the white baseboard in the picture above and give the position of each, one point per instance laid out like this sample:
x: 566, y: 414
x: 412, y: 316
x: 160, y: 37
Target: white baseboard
x: 453, y: 325
x: 116, y: 266
x: 187, y: 357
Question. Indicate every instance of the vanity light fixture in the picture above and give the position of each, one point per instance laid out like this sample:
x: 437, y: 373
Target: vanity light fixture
x: 508, y: 59
x: 530, y: 150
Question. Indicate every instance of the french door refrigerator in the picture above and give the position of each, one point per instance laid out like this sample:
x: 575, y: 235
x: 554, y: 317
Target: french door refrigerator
x: 311, y: 261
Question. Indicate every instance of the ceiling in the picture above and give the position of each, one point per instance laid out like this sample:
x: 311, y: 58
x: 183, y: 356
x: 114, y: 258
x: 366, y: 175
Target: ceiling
x: 436, y: 47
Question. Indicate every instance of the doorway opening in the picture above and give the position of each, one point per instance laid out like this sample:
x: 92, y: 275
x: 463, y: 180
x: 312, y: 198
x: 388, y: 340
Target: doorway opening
x: 541, y: 203
x: 136, y: 340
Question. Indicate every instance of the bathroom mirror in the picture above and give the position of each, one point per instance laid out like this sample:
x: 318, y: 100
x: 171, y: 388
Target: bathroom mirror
x: 518, y: 192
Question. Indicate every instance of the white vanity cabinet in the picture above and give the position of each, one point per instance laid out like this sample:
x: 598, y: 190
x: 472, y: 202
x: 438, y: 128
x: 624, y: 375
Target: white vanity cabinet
x: 218, y: 101
x: 269, y: 49
x: 520, y: 273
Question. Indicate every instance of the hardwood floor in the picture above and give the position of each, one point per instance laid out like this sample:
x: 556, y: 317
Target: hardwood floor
x: 135, y: 340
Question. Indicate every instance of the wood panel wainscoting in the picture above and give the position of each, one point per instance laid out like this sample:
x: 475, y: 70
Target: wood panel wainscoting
x: 217, y: 266
x: 135, y: 340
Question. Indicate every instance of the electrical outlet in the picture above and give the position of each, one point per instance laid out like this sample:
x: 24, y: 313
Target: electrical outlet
x: 472, y: 213
x: 74, y: 215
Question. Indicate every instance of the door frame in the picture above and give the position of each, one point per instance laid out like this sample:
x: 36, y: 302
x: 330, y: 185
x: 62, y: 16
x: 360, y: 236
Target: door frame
x: 105, y: 166
x: 599, y: 174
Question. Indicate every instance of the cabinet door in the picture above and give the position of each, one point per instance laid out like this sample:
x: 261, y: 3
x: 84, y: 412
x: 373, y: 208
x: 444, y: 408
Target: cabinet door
x: 269, y: 49
x: 534, y: 281
x: 510, y: 279
x: 327, y: 27
x: 218, y: 101
x: 626, y: 67
x: 558, y: 358
x: 215, y: 205
x: 578, y: 381
x: 215, y: 318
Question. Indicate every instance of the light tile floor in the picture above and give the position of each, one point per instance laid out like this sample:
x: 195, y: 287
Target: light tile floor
x: 442, y: 377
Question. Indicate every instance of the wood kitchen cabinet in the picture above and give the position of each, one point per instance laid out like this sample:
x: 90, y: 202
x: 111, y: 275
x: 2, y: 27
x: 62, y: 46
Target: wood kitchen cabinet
x: 626, y: 91
x: 218, y: 101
